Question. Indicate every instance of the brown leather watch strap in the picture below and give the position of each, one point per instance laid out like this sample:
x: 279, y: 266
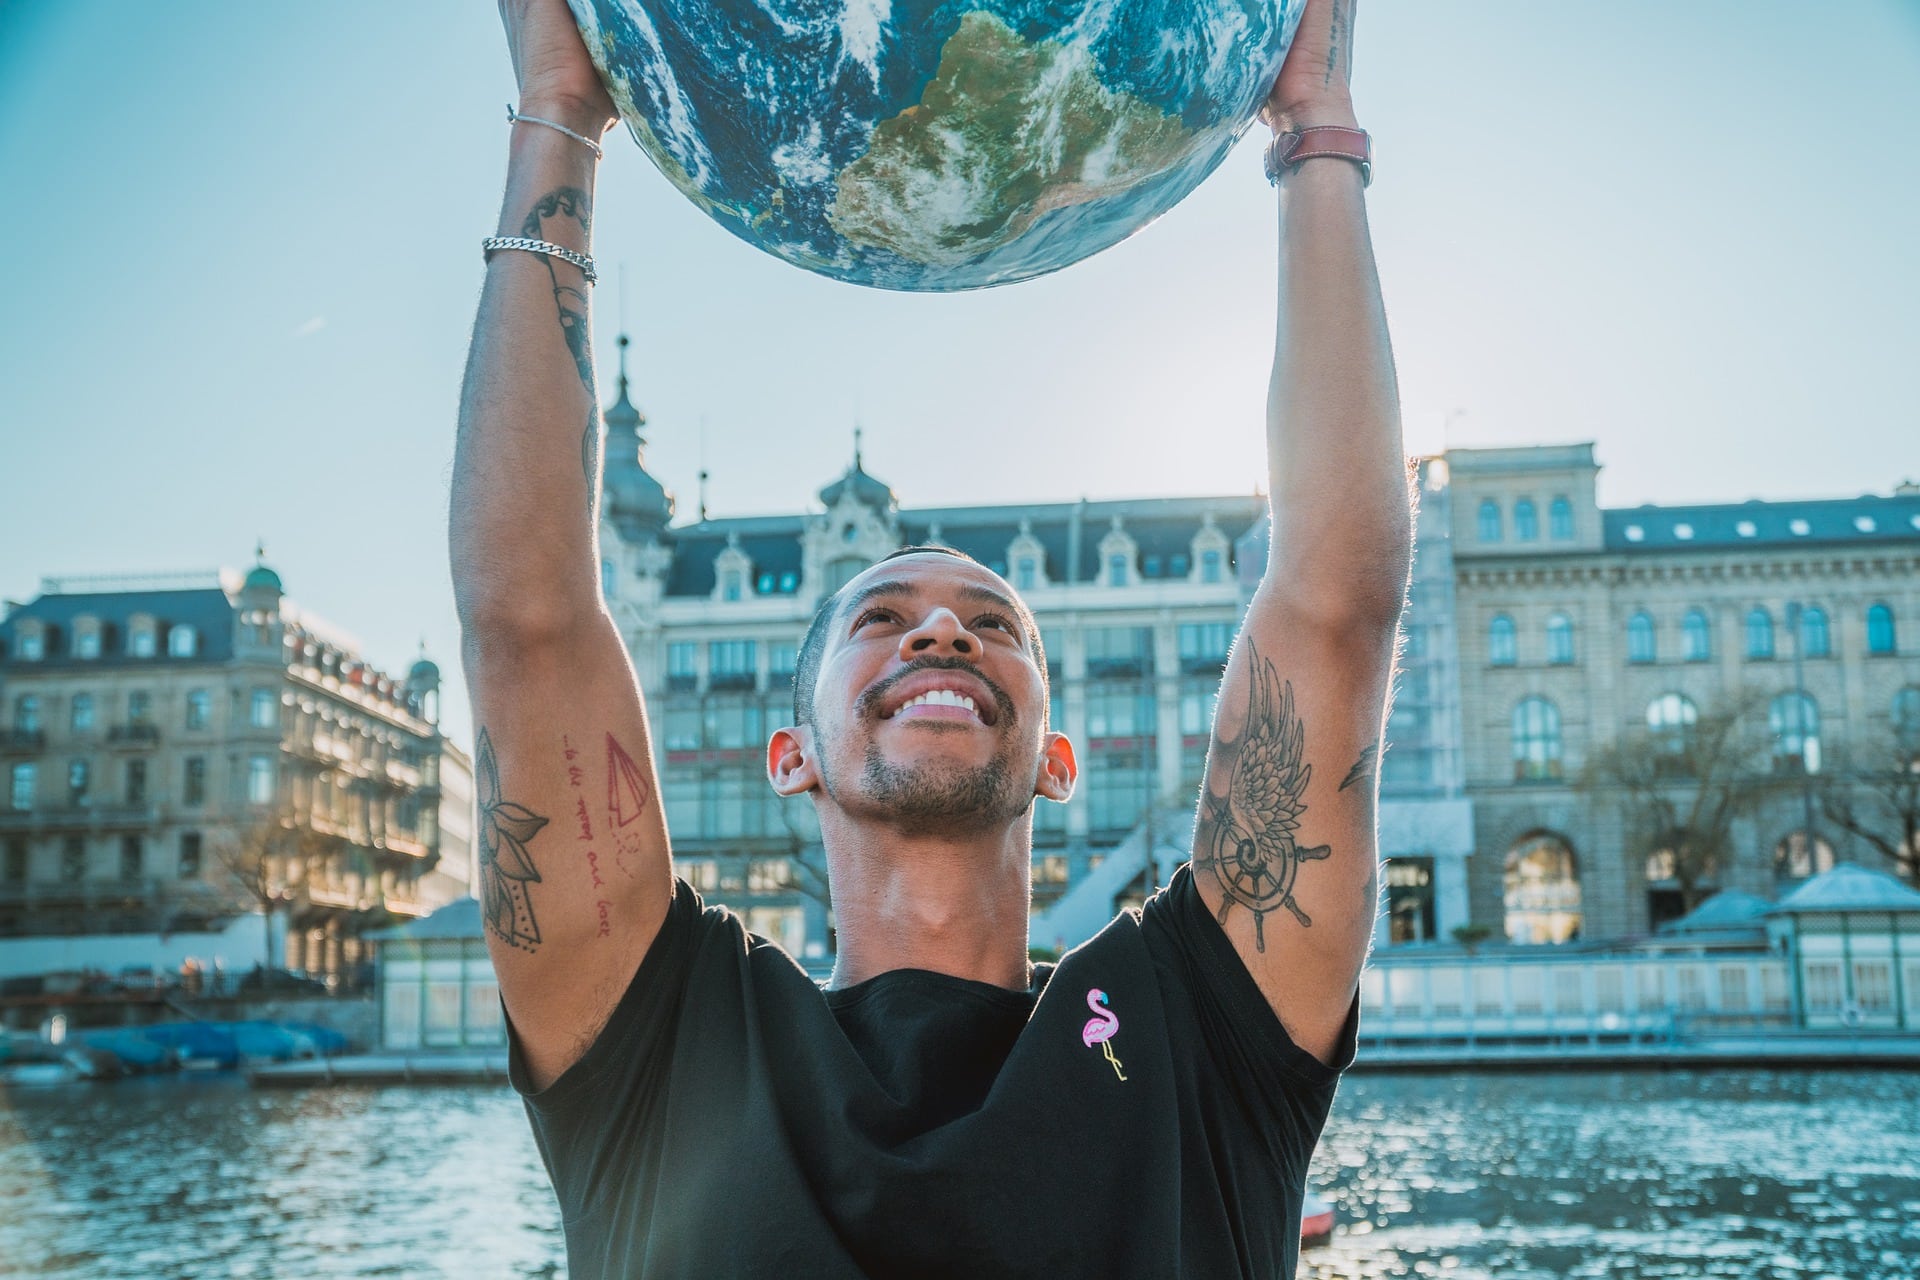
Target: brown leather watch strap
x: 1289, y: 149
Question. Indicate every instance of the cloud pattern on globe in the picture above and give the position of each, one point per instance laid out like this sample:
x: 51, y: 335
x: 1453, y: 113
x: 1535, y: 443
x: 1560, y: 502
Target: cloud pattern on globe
x: 910, y: 145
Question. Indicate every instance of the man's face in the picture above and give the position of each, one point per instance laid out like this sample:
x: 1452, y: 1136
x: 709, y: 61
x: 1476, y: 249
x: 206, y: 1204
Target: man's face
x: 928, y: 713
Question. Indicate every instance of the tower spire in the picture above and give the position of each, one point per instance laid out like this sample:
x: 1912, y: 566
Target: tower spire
x: 857, y: 433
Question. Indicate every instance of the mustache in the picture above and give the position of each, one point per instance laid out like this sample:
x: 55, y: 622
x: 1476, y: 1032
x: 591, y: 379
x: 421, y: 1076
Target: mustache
x: 869, y: 704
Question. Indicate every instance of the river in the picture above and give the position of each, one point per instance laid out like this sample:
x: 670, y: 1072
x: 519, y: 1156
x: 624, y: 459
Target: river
x: 1787, y: 1175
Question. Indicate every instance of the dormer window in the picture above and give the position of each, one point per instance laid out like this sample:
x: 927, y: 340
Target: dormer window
x: 1025, y: 573
x: 1116, y: 570
x: 142, y: 638
x: 1211, y: 561
x: 183, y: 642
x: 86, y: 638
x: 30, y: 639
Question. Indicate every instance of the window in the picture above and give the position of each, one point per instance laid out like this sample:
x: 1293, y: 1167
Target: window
x: 1880, y: 639
x: 139, y: 706
x: 263, y: 709
x: 1204, y: 646
x: 136, y: 782
x: 73, y: 859
x: 1526, y: 521
x: 1794, y: 719
x: 730, y: 663
x: 182, y: 642
x: 1542, y: 891
x: 1536, y: 740
x: 1793, y: 859
x: 32, y: 641
x: 81, y: 713
x: 132, y: 857
x: 1196, y: 711
x: 730, y: 585
x: 141, y: 641
x: 199, y: 708
x: 1211, y: 565
x: 86, y: 639
x: 1696, y: 636
x: 1410, y: 901
x: 1026, y: 573
x: 26, y: 713
x: 260, y: 780
x: 189, y: 855
x: 732, y: 723
x: 1560, y: 640
x: 15, y: 870
x: 79, y: 780
x: 682, y: 665
x: 1503, y: 648
x: 1759, y: 635
x: 1671, y: 718
x: 1150, y: 567
x: 21, y: 785
x: 1117, y: 570
x: 1119, y: 651
x: 1560, y: 520
x: 1119, y: 713
x: 782, y: 656
x: 789, y: 582
x: 1489, y: 520
x: 193, y: 784
x: 1815, y: 638
x: 1906, y: 716
x: 1640, y: 641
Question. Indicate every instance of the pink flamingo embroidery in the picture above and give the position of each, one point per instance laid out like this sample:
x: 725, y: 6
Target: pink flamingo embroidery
x: 1101, y: 1028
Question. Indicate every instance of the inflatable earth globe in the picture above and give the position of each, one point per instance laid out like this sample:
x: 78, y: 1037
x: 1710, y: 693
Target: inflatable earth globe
x: 909, y: 144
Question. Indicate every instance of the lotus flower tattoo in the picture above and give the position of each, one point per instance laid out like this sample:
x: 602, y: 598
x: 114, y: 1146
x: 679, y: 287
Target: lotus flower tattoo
x: 505, y: 868
x: 1249, y: 837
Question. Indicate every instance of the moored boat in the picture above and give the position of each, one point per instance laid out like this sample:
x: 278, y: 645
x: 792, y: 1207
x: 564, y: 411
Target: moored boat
x: 1316, y: 1219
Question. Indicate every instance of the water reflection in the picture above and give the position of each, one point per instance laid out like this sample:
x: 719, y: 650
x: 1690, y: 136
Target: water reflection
x: 1472, y: 1177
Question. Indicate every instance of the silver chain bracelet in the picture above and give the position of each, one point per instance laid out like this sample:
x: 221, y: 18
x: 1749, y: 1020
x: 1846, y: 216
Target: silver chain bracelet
x: 580, y: 260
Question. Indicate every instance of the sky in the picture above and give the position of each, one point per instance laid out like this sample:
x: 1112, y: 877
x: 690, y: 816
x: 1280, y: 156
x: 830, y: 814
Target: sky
x: 245, y: 256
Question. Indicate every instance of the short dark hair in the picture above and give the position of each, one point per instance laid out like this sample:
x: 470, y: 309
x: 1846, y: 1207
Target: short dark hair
x: 806, y: 664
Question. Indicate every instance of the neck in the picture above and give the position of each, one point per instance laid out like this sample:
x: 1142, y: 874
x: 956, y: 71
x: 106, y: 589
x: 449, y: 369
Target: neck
x: 952, y: 906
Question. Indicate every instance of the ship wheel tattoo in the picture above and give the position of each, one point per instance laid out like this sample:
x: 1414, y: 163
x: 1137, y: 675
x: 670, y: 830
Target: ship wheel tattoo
x: 506, y: 870
x: 1249, y: 838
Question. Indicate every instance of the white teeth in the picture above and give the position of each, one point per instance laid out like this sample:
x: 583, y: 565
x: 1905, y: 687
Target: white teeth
x: 940, y: 698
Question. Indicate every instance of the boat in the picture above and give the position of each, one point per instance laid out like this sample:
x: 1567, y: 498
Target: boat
x: 1316, y: 1220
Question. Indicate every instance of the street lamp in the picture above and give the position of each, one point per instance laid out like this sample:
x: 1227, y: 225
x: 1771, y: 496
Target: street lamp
x: 1794, y: 615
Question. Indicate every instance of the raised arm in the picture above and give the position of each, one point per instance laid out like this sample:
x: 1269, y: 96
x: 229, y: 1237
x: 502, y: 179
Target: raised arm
x: 575, y: 875
x: 1285, y: 849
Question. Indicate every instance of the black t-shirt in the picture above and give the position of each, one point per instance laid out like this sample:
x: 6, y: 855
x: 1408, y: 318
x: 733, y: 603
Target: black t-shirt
x: 734, y: 1120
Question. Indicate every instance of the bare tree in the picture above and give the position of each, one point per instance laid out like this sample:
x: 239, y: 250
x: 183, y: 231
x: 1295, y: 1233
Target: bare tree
x: 267, y: 860
x: 1680, y: 787
x: 1873, y: 794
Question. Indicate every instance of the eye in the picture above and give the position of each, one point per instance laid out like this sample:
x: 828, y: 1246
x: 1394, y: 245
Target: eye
x: 873, y: 615
x: 995, y: 620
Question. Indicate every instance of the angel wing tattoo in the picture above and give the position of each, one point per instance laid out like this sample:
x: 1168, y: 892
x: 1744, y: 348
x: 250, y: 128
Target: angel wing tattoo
x: 506, y: 870
x: 1248, y: 837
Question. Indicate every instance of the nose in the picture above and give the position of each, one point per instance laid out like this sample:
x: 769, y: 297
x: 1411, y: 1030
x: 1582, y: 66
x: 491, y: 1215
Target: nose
x: 941, y: 631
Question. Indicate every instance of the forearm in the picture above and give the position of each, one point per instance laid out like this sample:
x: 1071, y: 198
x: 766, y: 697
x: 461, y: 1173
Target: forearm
x: 525, y: 473
x: 1341, y: 520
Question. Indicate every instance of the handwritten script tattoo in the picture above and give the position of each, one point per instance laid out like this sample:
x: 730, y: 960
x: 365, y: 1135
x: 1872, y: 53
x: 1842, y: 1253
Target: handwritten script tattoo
x: 1249, y: 837
x: 506, y: 869
x: 576, y: 778
x: 1361, y: 767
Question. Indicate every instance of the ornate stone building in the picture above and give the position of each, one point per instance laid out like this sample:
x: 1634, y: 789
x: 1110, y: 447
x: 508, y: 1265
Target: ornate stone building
x: 1587, y: 634
x: 181, y: 750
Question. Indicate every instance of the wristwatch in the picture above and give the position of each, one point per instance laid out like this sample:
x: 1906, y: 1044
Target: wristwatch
x: 1289, y: 149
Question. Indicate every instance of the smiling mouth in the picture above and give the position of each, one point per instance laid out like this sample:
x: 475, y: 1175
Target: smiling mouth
x: 938, y: 703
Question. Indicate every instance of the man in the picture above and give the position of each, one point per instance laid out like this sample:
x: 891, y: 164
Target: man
x: 944, y: 1108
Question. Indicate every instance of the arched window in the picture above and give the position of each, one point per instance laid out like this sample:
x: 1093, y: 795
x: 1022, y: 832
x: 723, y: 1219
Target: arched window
x: 1503, y: 648
x: 1760, y: 634
x: 1816, y: 638
x: 1560, y: 520
x: 1670, y: 720
x: 1794, y: 719
x: 1526, y: 521
x: 1906, y: 716
x: 1880, y: 637
x: 1560, y: 640
x: 182, y: 642
x: 1542, y: 883
x: 1536, y: 740
x: 1696, y: 636
x: 1640, y: 646
x: 1489, y: 520
x: 1794, y: 860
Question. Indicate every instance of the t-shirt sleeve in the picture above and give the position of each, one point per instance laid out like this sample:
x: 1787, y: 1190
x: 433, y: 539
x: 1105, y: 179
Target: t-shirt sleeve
x: 592, y: 1124
x: 1282, y: 1088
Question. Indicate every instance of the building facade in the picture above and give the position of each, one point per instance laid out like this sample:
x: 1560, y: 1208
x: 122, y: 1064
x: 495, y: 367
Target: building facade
x: 181, y: 751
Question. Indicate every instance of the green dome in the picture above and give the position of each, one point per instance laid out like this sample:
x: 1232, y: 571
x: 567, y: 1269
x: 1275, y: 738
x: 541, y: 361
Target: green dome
x: 262, y: 577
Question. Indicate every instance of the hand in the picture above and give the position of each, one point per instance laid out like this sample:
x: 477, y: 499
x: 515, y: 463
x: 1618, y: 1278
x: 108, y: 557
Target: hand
x: 1315, y: 84
x: 551, y: 64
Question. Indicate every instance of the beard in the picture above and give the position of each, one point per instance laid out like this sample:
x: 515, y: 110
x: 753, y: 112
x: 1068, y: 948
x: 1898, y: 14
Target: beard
x: 922, y: 800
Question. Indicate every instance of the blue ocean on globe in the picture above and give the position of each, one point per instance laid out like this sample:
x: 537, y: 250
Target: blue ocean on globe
x: 905, y: 144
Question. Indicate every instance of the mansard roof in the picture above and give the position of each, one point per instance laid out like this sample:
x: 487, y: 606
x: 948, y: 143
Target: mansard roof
x: 1863, y: 521
x: 208, y: 610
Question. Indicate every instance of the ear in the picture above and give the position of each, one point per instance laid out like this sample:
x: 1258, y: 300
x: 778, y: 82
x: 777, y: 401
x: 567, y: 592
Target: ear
x: 1058, y: 769
x: 790, y: 766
